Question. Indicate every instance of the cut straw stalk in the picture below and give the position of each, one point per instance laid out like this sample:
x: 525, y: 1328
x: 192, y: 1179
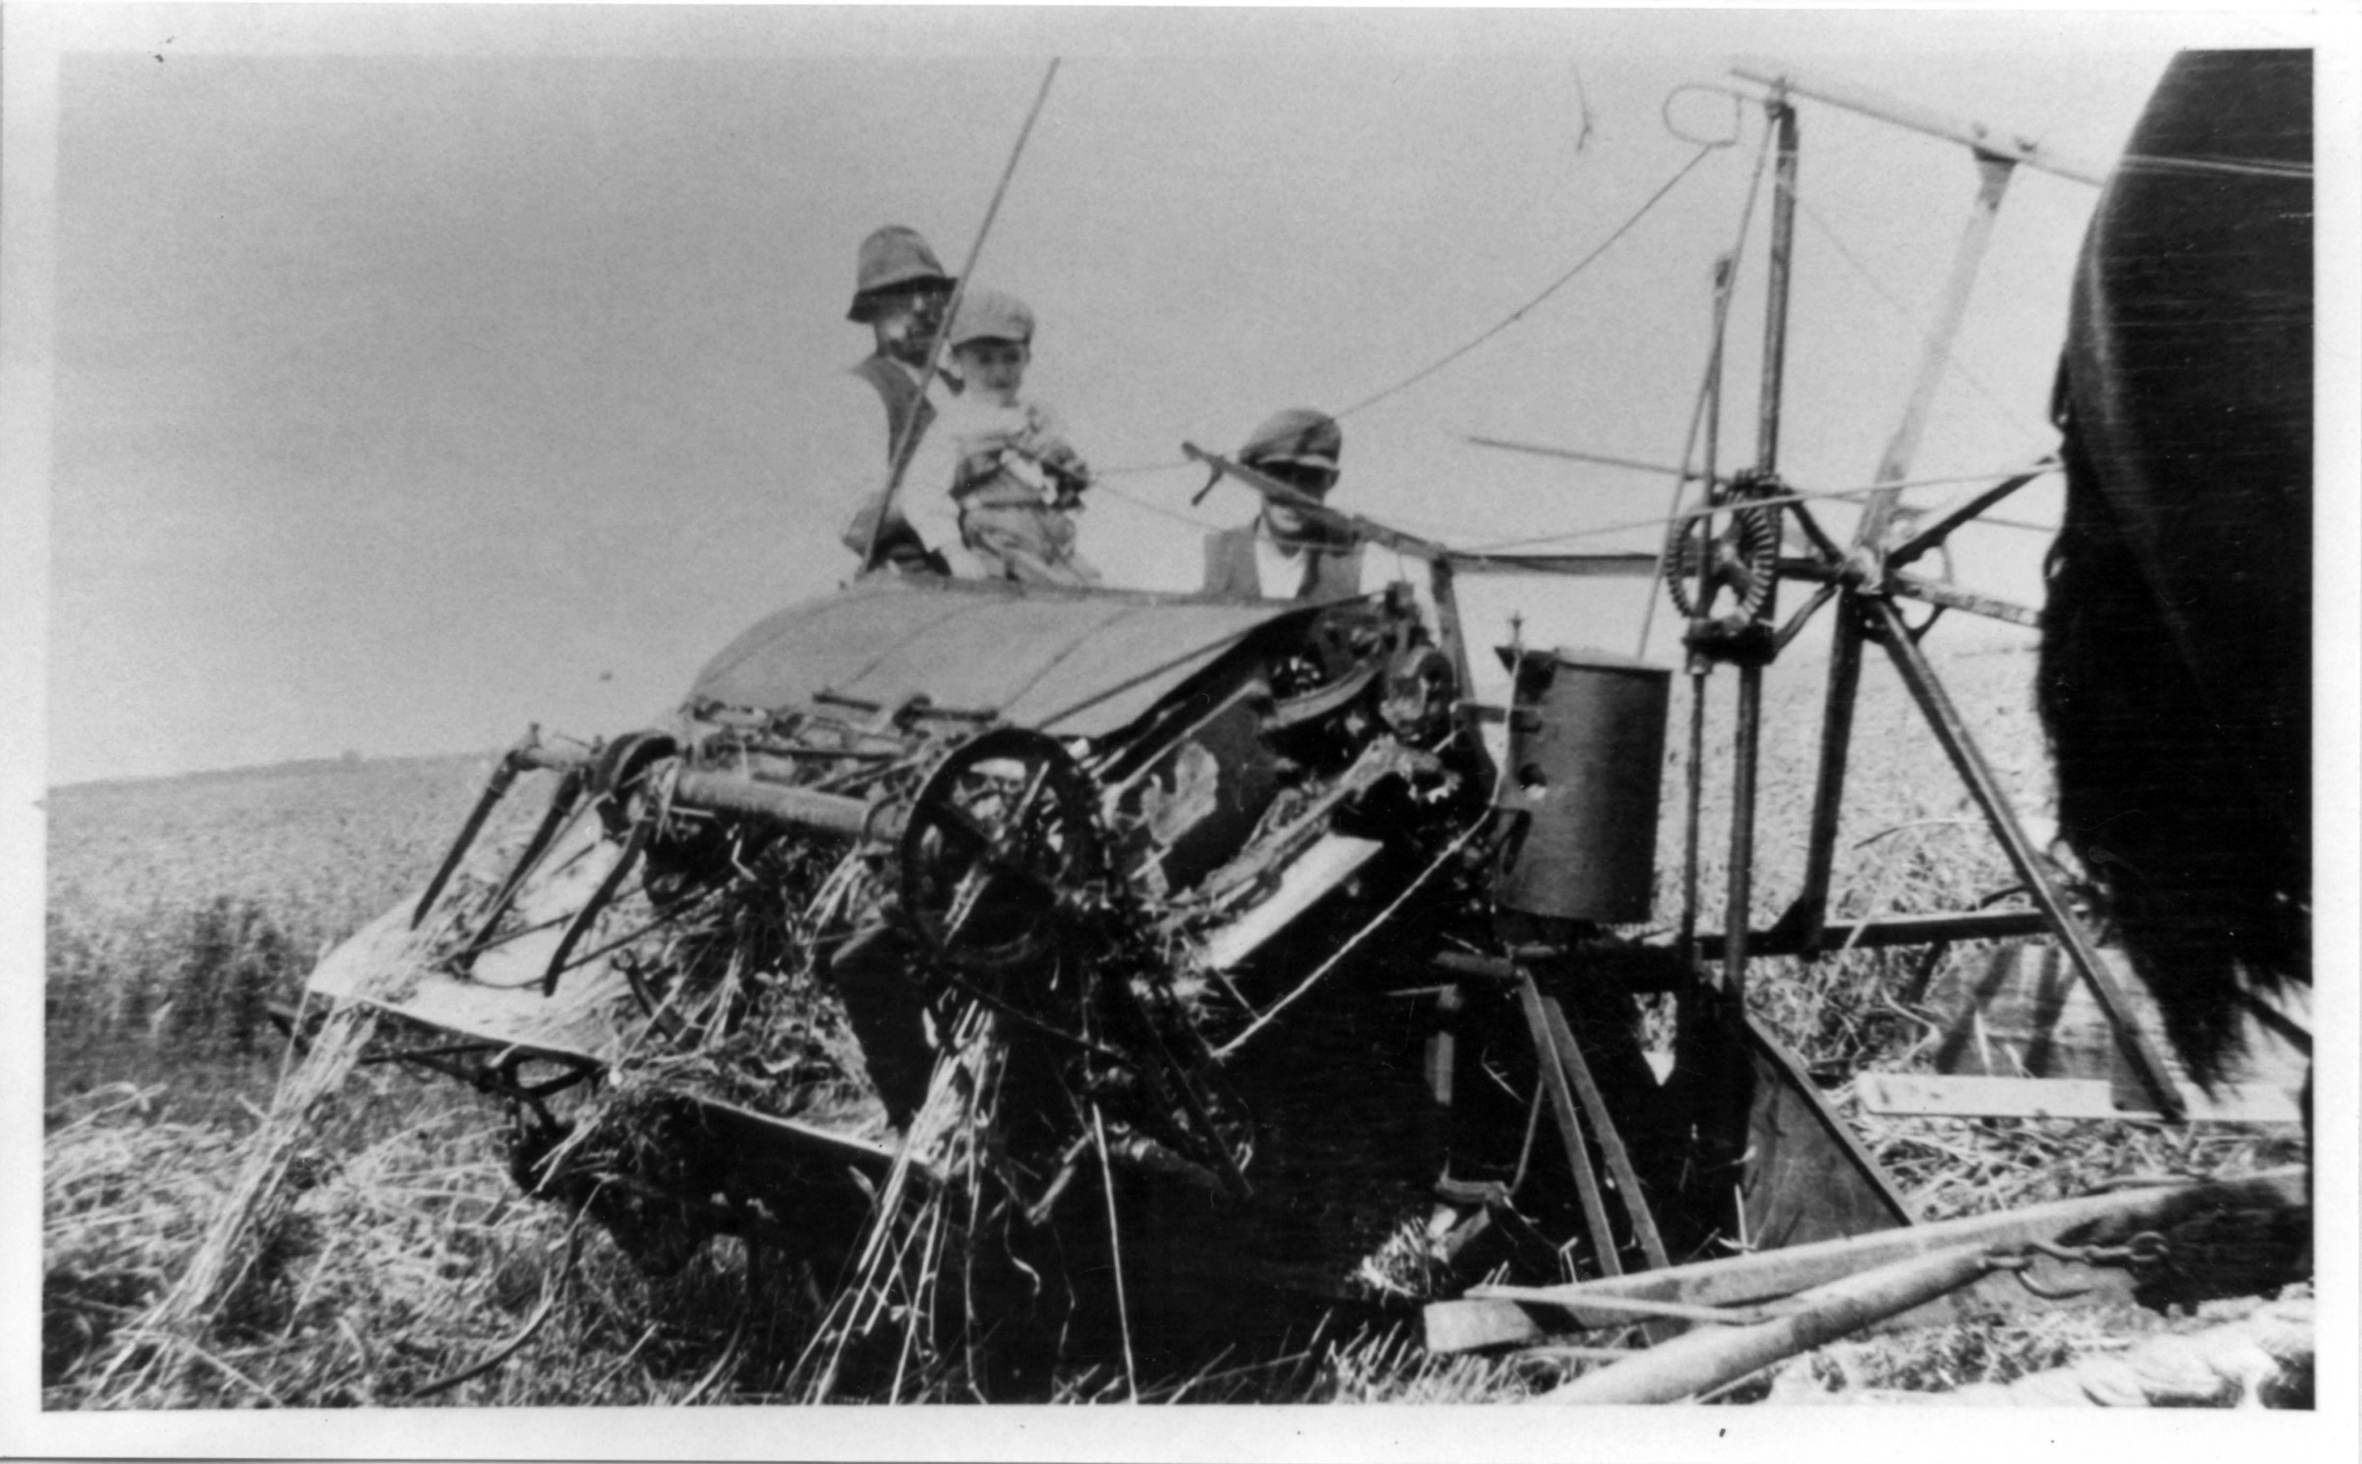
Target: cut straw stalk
x: 257, y: 1204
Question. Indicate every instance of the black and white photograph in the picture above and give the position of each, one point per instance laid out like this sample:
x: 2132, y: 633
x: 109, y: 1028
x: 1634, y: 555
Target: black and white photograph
x: 1382, y: 720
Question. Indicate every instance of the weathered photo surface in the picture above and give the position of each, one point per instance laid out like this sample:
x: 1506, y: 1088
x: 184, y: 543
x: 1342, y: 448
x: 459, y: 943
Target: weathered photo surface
x: 1342, y: 710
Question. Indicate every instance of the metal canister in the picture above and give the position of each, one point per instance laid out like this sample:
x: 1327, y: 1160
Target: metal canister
x: 1586, y: 753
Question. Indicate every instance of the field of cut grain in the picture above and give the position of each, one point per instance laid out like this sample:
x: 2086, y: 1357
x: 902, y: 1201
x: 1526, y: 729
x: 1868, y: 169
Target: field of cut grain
x: 402, y: 1266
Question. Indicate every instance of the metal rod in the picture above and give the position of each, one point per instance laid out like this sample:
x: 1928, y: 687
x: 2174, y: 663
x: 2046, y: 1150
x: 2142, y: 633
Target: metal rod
x: 1952, y: 597
x: 1809, y: 913
x: 1775, y: 287
x: 1933, y: 535
x: 1739, y: 885
x: 830, y: 813
x: 1960, y: 746
x: 495, y: 788
x: 1935, y: 353
x: 1894, y: 930
x: 1686, y: 475
x: 2012, y: 146
x: 561, y: 805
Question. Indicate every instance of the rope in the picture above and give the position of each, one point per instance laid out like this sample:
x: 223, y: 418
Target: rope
x: 1136, y: 469
x: 1551, y: 289
x: 2247, y: 167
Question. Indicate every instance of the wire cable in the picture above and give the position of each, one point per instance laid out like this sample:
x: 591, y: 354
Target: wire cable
x: 1552, y: 288
x: 1911, y: 317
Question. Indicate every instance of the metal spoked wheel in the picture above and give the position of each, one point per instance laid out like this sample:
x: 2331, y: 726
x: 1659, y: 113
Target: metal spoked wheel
x: 1002, y: 837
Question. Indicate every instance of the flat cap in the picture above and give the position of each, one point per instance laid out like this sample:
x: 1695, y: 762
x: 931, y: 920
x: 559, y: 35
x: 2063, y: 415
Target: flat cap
x: 1297, y: 435
x: 991, y: 315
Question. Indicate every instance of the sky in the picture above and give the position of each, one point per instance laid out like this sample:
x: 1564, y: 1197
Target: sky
x: 417, y: 373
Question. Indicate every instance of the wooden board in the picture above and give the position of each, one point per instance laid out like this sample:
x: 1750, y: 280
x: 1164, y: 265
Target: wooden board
x: 1807, y: 1177
x: 1939, y: 1096
x: 2020, y: 1011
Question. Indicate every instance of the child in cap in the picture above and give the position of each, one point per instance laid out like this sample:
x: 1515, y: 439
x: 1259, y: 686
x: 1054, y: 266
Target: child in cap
x: 1019, y: 482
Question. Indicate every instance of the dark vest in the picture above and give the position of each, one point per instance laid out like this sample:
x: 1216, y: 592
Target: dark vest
x: 898, y: 543
x: 1334, y: 572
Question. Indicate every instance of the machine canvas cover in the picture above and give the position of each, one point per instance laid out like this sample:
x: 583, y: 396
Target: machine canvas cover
x: 1066, y: 663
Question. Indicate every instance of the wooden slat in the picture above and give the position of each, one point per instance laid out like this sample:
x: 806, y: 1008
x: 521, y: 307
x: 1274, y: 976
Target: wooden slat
x: 1930, y: 1095
x: 1570, y: 1127
x: 1611, y: 1143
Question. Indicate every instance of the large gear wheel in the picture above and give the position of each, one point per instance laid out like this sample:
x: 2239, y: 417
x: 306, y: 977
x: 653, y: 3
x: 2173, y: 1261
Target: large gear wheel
x: 1001, y: 840
x: 1740, y: 555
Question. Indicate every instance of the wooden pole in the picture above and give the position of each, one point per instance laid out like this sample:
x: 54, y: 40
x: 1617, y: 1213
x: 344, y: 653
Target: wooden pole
x: 1497, y: 1316
x: 1709, y: 1357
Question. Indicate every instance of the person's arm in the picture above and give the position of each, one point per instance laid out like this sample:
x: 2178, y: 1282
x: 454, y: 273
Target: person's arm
x: 925, y: 498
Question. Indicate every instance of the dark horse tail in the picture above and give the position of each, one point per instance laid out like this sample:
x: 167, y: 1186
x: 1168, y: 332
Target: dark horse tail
x: 2176, y: 673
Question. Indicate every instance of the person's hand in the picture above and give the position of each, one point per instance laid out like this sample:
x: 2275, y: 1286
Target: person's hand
x: 976, y: 465
x: 962, y: 561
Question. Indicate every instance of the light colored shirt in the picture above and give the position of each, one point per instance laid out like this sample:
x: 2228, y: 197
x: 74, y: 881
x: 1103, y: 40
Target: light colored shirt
x: 1279, y: 568
x: 844, y: 455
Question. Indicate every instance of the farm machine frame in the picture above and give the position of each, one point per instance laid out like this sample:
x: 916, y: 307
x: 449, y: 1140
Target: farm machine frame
x: 1236, y: 941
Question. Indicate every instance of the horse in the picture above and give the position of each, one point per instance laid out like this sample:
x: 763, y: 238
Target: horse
x: 2175, y: 672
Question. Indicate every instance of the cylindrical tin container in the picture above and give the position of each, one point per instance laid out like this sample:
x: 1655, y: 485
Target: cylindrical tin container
x: 1586, y: 747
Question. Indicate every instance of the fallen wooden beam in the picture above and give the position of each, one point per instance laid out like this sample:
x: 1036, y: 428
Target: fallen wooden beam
x: 1707, y: 1358
x: 1505, y: 1316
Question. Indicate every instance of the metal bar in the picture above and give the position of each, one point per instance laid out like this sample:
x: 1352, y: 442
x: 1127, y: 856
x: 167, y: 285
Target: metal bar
x: 1611, y: 1142
x: 1951, y: 597
x: 1940, y: 529
x: 1810, y: 912
x: 1785, y: 939
x: 1693, y: 798
x: 1449, y: 627
x: 1290, y: 496
x: 1613, y: 564
x: 1570, y: 454
x: 1775, y: 324
x: 1803, y: 617
x: 1998, y: 142
x: 1944, y: 719
x: 1739, y: 882
x: 633, y: 847
x: 496, y: 787
x: 831, y: 813
x: 1935, y: 352
x: 561, y: 806
x: 1570, y: 1126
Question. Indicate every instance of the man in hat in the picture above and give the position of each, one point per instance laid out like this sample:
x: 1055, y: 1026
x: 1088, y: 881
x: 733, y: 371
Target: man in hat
x: 1287, y: 554
x: 900, y: 293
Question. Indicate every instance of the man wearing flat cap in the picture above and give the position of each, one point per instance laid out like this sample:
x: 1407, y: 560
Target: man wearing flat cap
x: 900, y: 292
x: 1287, y: 554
